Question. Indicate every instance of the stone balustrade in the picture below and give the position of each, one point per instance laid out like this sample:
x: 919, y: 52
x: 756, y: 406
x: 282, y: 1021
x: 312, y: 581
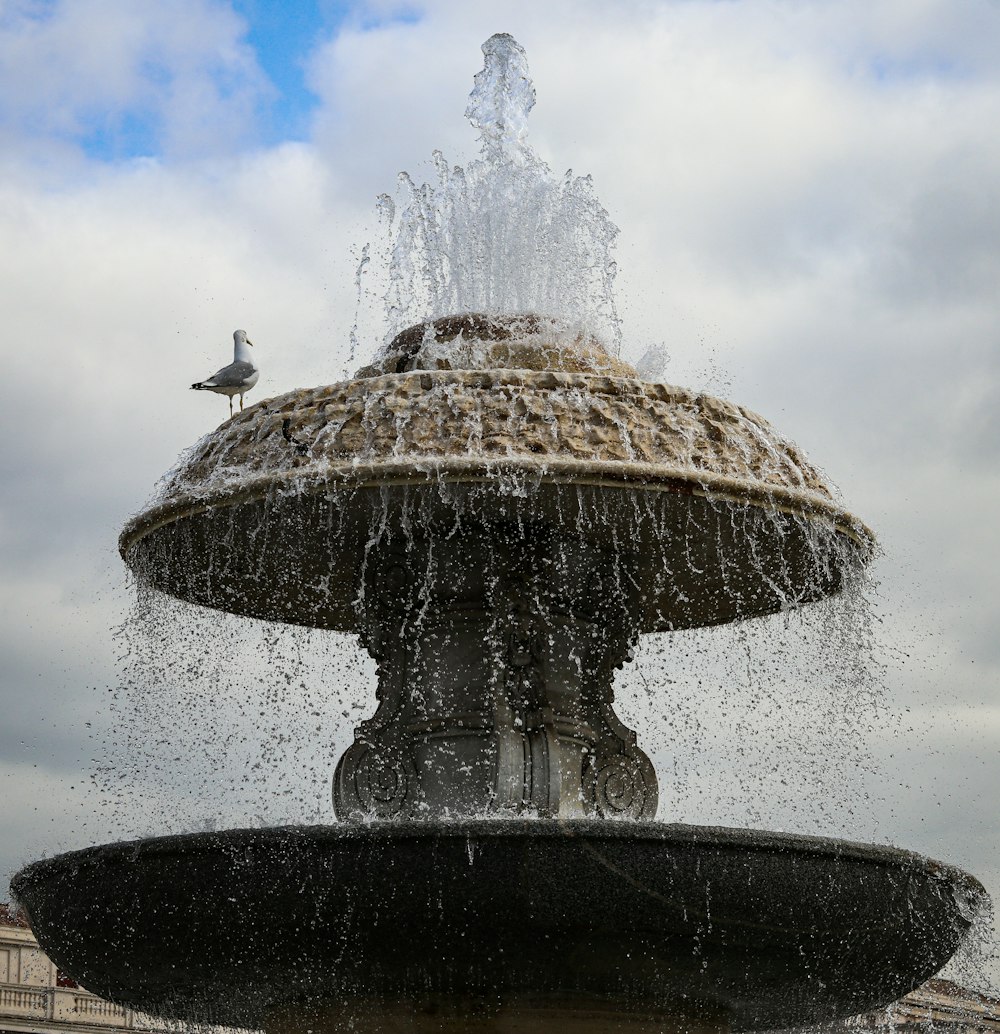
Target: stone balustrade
x: 35, y: 997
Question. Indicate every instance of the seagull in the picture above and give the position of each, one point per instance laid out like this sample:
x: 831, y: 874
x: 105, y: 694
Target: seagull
x: 236, y: 378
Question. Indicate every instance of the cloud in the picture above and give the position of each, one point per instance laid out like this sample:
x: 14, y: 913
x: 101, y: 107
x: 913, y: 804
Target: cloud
x: 112, y: 75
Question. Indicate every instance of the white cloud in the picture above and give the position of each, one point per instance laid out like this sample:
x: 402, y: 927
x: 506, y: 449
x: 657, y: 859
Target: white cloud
x: 76, y: 67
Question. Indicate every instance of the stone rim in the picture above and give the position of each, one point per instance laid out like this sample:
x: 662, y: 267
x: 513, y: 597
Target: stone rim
x: 743, y: 838
x: 416, y: 470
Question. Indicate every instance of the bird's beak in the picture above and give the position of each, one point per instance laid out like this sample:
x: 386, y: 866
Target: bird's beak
x: 248, y: 341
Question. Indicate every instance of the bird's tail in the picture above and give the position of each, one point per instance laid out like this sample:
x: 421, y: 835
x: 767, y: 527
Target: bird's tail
x: 199, y: 386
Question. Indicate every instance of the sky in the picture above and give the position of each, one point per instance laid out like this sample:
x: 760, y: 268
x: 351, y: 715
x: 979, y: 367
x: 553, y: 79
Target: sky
x: 808, y: 195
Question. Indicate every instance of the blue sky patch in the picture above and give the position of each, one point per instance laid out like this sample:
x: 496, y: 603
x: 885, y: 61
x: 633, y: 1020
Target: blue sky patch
x: 282, y: 33
x: 884, y: 68
x: 122, y: 135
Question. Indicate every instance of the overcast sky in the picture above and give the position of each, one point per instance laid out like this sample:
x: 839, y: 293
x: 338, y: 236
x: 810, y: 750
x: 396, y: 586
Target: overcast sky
x: 808, y: 194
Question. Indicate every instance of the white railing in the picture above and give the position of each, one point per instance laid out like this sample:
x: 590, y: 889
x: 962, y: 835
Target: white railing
x: 62, y: 1005
x: 98, y: 1007
x: 66, y: 1008
x: 23, y: 1000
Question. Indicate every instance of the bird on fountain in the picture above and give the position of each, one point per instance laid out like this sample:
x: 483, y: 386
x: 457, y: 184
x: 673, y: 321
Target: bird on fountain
x: 236, y: 378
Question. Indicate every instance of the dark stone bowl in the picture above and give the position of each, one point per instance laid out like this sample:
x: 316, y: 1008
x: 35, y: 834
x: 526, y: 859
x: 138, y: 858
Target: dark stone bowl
x: 686, y: 554
x: 770, y: 929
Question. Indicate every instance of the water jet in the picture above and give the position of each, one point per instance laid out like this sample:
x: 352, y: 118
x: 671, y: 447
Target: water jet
x: 498, y: 507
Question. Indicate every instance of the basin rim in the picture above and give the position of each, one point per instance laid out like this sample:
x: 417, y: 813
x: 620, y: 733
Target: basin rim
x: 680, y: 833
x: 746, y: 839
x: 431, y: 471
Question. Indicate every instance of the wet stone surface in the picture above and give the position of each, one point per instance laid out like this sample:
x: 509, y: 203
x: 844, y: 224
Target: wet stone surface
x: 767, y: 929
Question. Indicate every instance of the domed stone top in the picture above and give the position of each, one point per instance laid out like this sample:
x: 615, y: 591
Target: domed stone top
x: 546, y: 418
x: 476, y: 341
x: 482, y: 388
x: 684, y: 473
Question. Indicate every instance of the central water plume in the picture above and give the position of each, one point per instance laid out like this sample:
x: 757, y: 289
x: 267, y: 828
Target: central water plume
x: 502, y: 235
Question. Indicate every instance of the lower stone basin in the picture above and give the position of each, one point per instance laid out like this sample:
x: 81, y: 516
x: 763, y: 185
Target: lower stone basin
x: 635, y: 922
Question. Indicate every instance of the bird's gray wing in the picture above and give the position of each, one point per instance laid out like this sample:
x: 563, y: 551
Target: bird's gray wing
x: 231, y: 376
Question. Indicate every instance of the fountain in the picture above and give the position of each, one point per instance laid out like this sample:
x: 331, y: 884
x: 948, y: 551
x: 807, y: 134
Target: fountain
x: 498, y: 507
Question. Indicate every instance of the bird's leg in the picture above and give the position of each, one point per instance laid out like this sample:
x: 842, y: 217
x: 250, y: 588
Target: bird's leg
x: 230, y: 405
x: 241, y: 401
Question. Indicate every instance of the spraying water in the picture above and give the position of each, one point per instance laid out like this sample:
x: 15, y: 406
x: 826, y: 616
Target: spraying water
x: 503, y: 235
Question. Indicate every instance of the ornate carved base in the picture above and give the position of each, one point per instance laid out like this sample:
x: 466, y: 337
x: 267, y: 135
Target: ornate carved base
x: 496, y: 650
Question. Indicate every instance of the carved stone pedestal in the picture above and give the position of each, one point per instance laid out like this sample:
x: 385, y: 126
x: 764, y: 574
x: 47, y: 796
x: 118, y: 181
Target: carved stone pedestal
x: 496, y: 650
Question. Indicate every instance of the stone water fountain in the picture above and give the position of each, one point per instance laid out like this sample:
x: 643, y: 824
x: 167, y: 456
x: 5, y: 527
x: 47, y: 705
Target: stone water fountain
x: 498, y: 508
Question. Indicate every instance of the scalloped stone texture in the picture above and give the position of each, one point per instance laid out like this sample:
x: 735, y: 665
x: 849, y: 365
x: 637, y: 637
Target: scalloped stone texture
x: 498, y: 415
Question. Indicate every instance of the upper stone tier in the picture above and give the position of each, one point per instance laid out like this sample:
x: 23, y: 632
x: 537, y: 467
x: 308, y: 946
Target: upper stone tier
x: 712, y: 515
x: 474, y: 341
